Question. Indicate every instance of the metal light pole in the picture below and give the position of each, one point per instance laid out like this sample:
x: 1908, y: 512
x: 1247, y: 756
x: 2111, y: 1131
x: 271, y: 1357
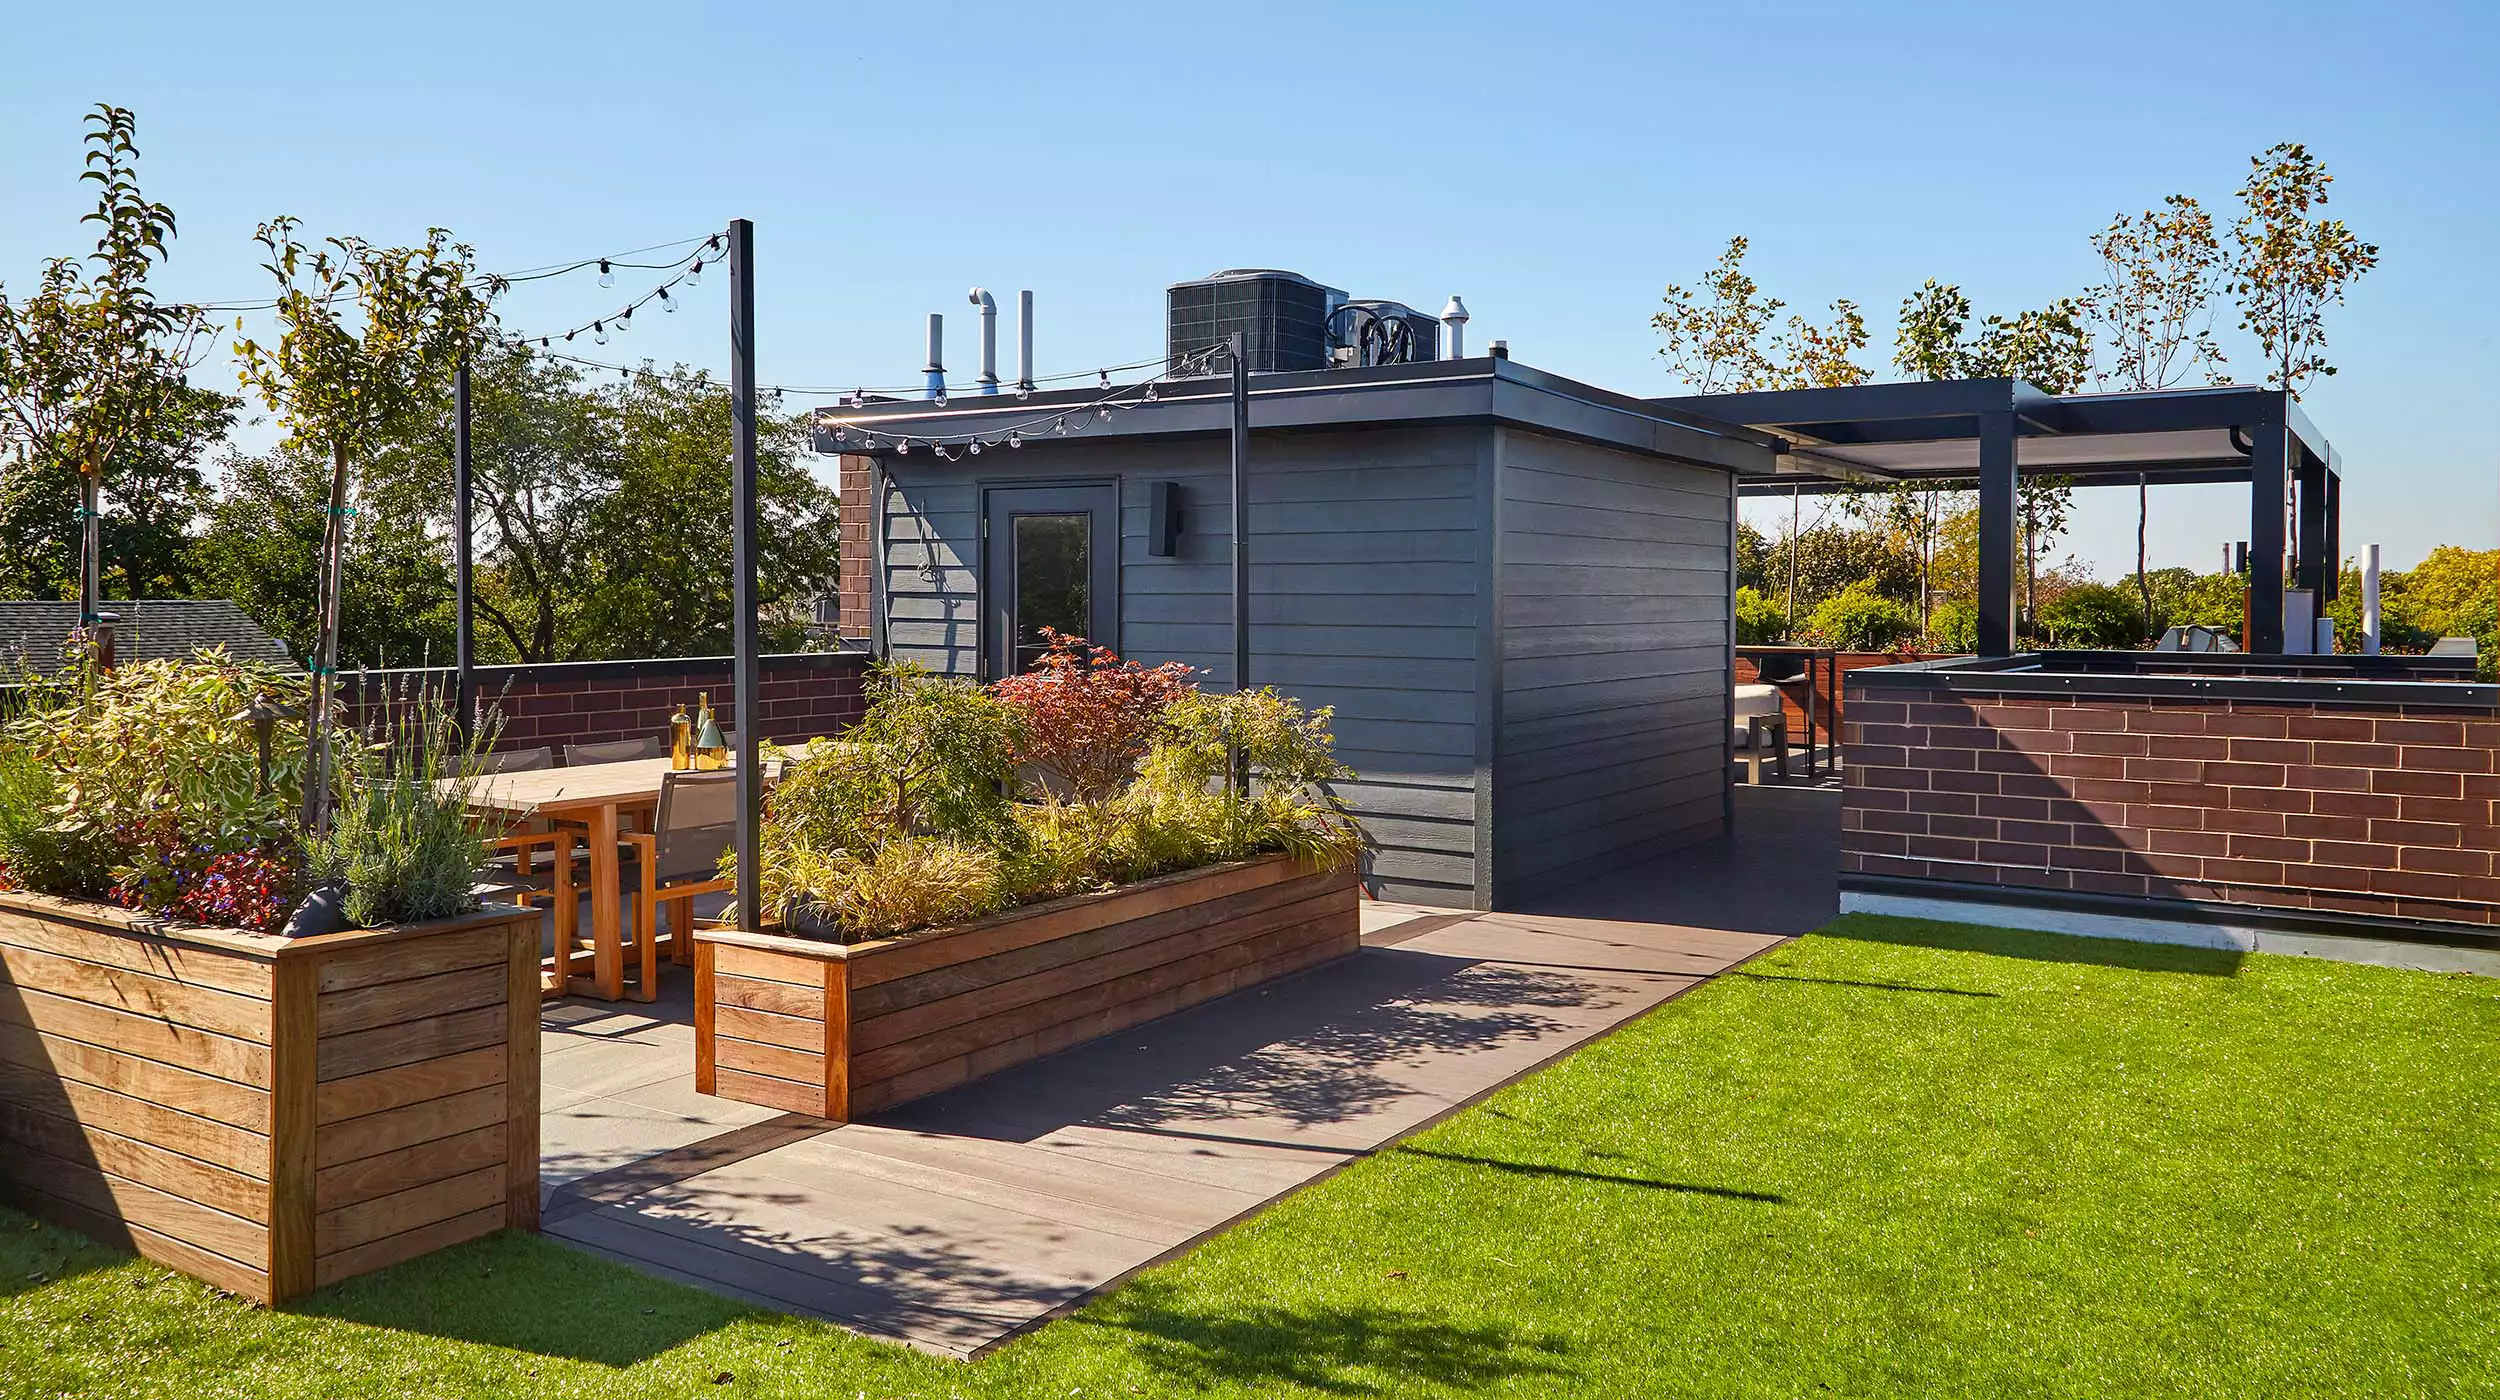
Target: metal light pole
x: 1241, y: 512
x: 464, y: 632
x: 742, y: 508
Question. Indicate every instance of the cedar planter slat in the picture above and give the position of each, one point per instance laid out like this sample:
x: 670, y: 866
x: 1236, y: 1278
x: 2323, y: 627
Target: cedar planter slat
x: 271, y: 1115
x: 836, y: 1031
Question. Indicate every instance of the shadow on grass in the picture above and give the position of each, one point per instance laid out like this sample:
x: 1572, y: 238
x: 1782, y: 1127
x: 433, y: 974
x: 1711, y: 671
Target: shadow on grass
x: 36, y: 1254
x: 1867, y: 986
x: 1646, y: 1183
x: 1343, y: 1349
x: 2036, y: 947
x: 531, y: 1295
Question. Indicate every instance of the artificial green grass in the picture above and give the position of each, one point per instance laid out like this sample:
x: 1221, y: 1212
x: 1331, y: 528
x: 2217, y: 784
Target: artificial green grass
x: 1892, y: 1159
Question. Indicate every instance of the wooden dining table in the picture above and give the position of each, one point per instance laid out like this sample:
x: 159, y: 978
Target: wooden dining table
x: 598, y: 797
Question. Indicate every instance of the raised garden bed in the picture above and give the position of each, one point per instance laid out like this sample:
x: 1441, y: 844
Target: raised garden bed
x: 270, y: 1115
x: 837, y: 1031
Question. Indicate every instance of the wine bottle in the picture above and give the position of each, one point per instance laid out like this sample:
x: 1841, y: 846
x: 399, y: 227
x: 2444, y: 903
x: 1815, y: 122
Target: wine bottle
x: 680, y: 740
x: 710, y: 750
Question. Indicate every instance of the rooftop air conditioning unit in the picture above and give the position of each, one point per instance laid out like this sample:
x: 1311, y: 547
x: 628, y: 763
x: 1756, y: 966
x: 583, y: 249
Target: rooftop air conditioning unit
x: 1283, y: 317
x: 1372, y: 332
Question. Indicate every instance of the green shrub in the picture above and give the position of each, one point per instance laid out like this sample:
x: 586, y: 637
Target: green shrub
x: 1954, y: 627
x: 148, y: 777
x: 1760, y: 622
x: 2093, y: 615
x: 401, y: 840
x: 1858, y: 618
x: 906, y: 824
x: 911, y: 882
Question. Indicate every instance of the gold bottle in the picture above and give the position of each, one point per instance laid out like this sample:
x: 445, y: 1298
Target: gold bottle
x: 710, y: 750
x: 680, y: 740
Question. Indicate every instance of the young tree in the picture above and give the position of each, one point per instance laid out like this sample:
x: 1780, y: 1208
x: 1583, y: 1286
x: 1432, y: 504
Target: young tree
x: 2050, y: 348
x: 366, y: 336
x: 2287, y: 268
x: 1715, y: 340
x: 2160, y: 272
x: 1929, y: 342
x: 92, y: 362
x: 1722, y: 341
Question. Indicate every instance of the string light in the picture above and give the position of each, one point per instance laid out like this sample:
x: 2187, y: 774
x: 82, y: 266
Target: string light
x: 607, y: 274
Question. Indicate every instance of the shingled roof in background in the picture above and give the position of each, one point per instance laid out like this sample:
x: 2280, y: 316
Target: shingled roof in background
x: 37, y: 633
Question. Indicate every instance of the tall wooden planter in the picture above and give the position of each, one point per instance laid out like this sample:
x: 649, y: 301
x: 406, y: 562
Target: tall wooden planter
x: 837, y: 1031
x: 271, y: 1115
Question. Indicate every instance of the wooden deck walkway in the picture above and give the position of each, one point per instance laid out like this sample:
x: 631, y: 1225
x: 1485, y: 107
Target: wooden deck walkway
x: 957, y: 1222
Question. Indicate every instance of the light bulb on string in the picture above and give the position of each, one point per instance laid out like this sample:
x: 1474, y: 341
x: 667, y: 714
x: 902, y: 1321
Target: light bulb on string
x: 1150, y: 393
x: 903, y: 448
x: 607, y: 274
x: 1102, y: 412
x: 939, y: 398
x: 694, y: 274
x: 600, y: 331
x: 1024, y: 391
x: 1015, y: 439
x: 666, y: 305
x: 1060, y: 426
x: 1105, y: 376
x: 976, y: 447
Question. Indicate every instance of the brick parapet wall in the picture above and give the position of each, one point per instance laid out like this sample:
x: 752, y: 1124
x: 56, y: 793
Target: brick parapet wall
x: 801, y: 694
x: 854, y: 480
x: 2328, y: 806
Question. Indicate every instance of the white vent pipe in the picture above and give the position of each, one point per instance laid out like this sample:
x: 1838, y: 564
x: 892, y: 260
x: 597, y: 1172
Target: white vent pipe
x: 989, y: 340
x: 1454, y: 320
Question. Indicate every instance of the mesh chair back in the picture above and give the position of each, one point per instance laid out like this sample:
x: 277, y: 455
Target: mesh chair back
x: 614, y: 751
x: 698, y: 820
x: 516, y: 761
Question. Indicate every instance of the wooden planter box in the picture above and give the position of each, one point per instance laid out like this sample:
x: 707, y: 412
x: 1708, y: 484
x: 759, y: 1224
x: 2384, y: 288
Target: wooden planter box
x: 836, y: 1031
x: 271, y: 1115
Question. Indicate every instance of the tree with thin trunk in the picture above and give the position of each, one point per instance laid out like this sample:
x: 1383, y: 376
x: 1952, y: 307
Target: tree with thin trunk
x: 366, y: 335
x: 2287, y: 267
x: 2161, y: 271
x: 92, y: 362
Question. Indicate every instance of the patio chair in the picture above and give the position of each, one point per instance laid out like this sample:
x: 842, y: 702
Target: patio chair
x: 678, y: 859
x: 1761, y: 729
x: 615, y: 751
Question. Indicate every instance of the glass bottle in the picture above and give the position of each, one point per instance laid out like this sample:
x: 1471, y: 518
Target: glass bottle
x: 680, y: 740
x: 710, y: 750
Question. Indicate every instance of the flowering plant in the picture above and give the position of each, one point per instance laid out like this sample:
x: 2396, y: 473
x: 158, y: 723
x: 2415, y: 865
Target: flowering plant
x: 1088, y: 717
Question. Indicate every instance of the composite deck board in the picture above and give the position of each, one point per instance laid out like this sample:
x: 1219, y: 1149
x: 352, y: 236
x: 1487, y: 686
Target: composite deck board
x: 959, y: 1220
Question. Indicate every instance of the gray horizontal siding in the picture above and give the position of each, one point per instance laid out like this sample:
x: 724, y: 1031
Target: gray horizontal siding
x: 1366, y: 573
x: 1614, y: 581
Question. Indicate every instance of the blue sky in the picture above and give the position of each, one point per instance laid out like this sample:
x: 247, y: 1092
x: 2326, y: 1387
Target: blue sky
x: 1557, y: 164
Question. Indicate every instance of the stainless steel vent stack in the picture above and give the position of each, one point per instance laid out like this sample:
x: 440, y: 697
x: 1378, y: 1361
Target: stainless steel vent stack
x: 989, y: 340
x: 936, y: 368
x: 1454, y: 320
x: 1024, y: 343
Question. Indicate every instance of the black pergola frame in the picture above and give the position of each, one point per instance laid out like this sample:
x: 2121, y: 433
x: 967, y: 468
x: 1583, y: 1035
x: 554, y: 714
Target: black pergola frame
x: 2271, y: 444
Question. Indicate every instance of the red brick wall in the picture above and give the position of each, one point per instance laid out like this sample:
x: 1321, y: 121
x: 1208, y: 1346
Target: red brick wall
x: 858, y: 551
x: 2326, y: 806
x: 802, y: 695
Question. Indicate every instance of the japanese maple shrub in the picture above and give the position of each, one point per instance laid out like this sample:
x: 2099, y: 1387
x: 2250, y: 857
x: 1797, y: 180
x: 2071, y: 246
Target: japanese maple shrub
x: 1087, y: 717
